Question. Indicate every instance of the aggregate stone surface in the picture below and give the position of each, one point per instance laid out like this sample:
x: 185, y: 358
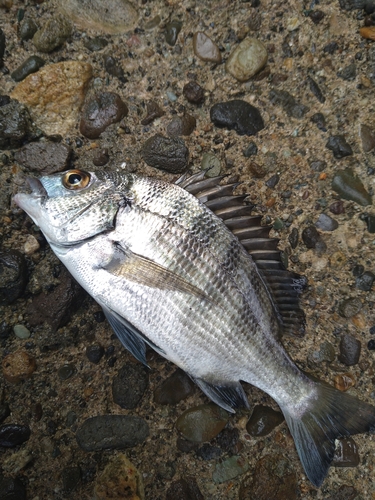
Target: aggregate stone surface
x: 324, y: 70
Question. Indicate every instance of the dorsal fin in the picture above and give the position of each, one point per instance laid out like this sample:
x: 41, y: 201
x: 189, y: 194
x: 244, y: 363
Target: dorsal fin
x: 285, y: 286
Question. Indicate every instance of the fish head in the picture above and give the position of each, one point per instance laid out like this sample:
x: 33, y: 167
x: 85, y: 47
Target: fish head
x: 72, y: 206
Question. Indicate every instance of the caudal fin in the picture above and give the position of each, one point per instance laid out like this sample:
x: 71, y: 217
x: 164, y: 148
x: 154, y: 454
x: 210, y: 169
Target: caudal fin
x: 333, y: 414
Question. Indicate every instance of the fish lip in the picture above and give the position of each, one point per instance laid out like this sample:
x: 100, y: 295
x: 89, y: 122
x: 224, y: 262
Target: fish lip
x: 37, y: 187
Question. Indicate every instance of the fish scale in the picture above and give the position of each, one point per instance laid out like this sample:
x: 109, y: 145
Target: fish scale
x: 168, y: 272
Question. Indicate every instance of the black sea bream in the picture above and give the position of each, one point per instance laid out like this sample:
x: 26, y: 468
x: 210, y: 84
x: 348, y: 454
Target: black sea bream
x: 188, y: 270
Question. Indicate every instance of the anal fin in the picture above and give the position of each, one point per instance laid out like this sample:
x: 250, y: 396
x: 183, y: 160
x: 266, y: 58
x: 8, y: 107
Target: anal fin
x: 227, y: 395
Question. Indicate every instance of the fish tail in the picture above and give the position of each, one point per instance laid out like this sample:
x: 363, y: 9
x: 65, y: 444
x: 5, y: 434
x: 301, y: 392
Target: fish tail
x: 331, y: 414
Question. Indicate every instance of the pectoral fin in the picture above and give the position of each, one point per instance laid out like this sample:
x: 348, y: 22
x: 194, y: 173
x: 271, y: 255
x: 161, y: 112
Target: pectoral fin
x: 228, y: 395
x: 145, y: 271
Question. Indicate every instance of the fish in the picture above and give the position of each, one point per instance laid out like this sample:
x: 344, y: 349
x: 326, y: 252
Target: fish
x: 187, y: 269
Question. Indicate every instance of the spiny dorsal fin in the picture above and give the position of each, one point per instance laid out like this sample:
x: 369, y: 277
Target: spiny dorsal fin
x: 285, y: 286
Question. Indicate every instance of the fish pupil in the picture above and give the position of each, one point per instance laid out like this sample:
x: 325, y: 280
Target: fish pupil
x: 74, y: 179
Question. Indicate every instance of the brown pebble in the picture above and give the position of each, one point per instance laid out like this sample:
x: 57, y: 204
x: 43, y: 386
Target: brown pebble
x: 344, y: 381
x: 258, y: 171
x: 205, y: 48
x: 337, y: 207
x: 193, y: 92
x: 368, y: 32
x: 153, y: 111
x: 183, y: 125
x: 18, y: 366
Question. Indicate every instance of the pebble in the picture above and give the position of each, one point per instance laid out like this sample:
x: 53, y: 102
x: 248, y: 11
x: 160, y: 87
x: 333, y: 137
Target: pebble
x: 181, y: 125
x: 326, y: 223
x: 31, y: 65
x: 344, y: 382
x: 205, y: 49
x: 229, y: 469
x: 31, y: 245
x: 21, y: 332
x: 66, y: 371
x: 112, y: 16
x: 13, y: 272
x: 273, y: 478
x: 209, y: 452
x: 349, y: 187
x: 12, y: 488
x: 12, y: 435
x: 239, y: 115
x: 263, y: 420
x: 338, y: 145
x: 113, y: 68
x: 365, y: 281
x: 166, y: 153
x: 54, y: 95
x: 312, y: 239
x: 27, y: 29
x: 247, y: 59
x: 348, y: 73
x: 326, y: 353
x: 44, y: 157
x: 101, y: 157
x: 129, y: 385
x: 184, y: 489
x: 288, y: 103
x: 316, y: 90
x: 53, y: 34
x: 370, y: 221
x: 367, y: 136
x: 105, y: 432
x: 95, y: 44
x: 193, y: 92
x: 15, y: 125
x: 350, y: 307
x: 18, y: 366
x: 94, y: 353
x: 202, y: 423
x: 293, y: 237
x: 250, y: 150
x: 57, y: 306
x: 71, y: 478
x: 367, y: 32
x: 212, y: 164
x: 350, y: 350
x: 119, y: 480
x: 346, y: 453
x: 153, y: 23
x: 345, y: 492
x: 174, y: 389
x: 337, y: 207
x: 172, y: 30
x: 101, y: 111
x: 371, y: 345
x: 153, y: 111
x: 320, y: 121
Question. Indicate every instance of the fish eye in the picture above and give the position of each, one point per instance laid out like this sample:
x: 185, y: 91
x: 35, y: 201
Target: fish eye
x: 75, y: 179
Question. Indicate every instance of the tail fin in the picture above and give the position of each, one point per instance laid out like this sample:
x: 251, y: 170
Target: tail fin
x: 333, y: 414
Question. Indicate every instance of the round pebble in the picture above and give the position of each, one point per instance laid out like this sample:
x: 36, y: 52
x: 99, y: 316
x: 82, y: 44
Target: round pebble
x: 263, y: 420
x: 193, y: 92
x: 21, y: 332
x: 367, y: 136
x: 31, y: 65
x: 113, y: 67
x: 350, y: 350
x: 12, y: 435
x: 100, y: 112
x: 205, y: 49
x: 172, y: 30
x: 101, y: 157
x: 344, y: 381
x: 27, y: 29
x: 153, y: 111
x: 250, y: 150
x: 166, y: 153
x: 174, y: 389
x: 326, y: 223
x: 181, y: 125
x: 95, y: 44
x: 229, y: 469
x: 365, y: 281
x: 212, y: 164
x: 18, y: 366
x: 247, y: 59
x: 106, y: 432
x: 202, y: 423
x: 53, y: 34
x: 239, y: 115
x: 350, y: 307
x: 66, y: 371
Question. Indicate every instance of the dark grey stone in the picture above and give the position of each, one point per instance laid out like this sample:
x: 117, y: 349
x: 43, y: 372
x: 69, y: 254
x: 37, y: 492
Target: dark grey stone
x: 12, y: 435
x: 31, y: 65
x: 166, y: 153
x: 129, y: 385
x: 350, y: 350
x: 239, y: 115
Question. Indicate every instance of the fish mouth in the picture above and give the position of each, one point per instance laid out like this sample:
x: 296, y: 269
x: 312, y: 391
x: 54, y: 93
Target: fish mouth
x: 36, y: 187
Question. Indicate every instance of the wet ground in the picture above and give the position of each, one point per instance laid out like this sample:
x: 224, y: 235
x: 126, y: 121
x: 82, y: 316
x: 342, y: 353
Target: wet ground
x: 289, y: 180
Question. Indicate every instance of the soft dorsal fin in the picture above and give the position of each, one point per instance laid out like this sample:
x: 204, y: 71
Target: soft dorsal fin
x: 285, y: 286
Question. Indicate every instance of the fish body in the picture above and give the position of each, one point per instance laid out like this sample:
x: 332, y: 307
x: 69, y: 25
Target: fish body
x: 170, y: 273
